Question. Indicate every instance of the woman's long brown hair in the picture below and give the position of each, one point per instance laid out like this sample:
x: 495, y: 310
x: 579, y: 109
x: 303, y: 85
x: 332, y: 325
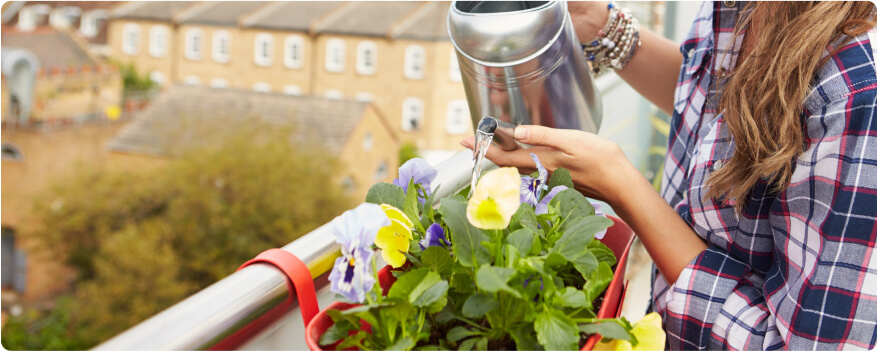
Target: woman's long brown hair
x: 763, y: 99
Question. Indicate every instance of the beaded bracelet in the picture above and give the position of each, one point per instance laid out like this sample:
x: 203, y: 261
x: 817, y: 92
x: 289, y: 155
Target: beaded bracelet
x: 616, y: 43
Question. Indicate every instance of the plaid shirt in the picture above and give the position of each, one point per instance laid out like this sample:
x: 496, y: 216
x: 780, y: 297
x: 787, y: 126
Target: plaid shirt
x: 797, y: 269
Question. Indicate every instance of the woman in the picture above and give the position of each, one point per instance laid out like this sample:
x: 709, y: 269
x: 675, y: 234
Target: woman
x: 764, y: 232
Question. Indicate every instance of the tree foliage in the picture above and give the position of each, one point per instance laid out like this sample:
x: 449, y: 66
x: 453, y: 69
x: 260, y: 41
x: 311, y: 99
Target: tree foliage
x: 142, y: 240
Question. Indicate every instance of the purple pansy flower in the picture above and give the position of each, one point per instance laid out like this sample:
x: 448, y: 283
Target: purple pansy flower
x: 542, y: 206
x: 532, y: 188
x: 419, y: 170
x: 435, y: 236
x: 355, y: 230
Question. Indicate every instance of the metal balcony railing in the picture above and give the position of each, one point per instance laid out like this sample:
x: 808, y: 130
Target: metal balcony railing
x: 236, y: 304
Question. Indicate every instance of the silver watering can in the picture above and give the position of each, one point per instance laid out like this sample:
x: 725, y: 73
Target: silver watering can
x: 522, y: 63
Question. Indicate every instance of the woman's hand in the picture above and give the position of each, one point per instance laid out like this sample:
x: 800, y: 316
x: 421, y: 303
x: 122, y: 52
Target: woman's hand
x: 600, y: 170
x: 588, y: 17
x: 597, y: 166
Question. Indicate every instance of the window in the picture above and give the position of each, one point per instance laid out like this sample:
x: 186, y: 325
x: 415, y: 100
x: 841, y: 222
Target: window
x: 412, y: 114
x: 455, y: 67
x: 335, y: 49
x: 194, y: 43
x: 11, y: 153
x: 458, y: 114
x: 27, y: 19
x: 291, y: 90
x: 334, y: 94
x: 221, y: 46
x: 347, y: 185
x: 366, y: 57
x: 14, y: 262
x: 192, y: 81
x: 262, y: 87
x: 158, y: 78
x: 158, y: 41
x: 63, y: 17
x: 264, y: 53
x: 381, y: 171
x: 131, y: 39
x: 364, y: 97
x: 91, y: 21
x: 368, y: 142
x: 218, y: 83
x: 415, y: 58
x: 293, y: 51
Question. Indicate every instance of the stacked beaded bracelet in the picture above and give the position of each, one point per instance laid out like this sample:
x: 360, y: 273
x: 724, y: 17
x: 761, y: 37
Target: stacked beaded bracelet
x: 616, y: 43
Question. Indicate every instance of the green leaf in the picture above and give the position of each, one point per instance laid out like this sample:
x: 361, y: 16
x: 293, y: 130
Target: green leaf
x: 586, y: 264
x: 602, y: 252
x: 336, y: 332
x: 434, y: 298
x: 403, y: 344
x: 463, y: 282
x: 481, y: 344
x: 385, y: 193
x: 352, y: 341
x: 493, y: 279
x: 438, y: 259
x: 465, y: 238
x: 572, y: 204
x: 572, y: 297
x: 524, y: 217
x: 459, y: 333
x: 478, y: 304
x: 525, y: 338
x: 586, y: 226
x: 560, y: 176
x: 401, y: 310
x: 468, y: 344
x: 408, y: 282
x: 611, y: 330
x: 598, y: 281
x: 409, y: 207
x: 555, y: 331
x: 521, y: 239
x: 577, y: 234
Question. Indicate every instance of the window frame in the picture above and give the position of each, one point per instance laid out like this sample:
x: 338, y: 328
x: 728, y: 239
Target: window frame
x: 361, y: 49
x: 288, y: 60
x: 261, y: 57
x: 407, y: 117
x: 336, y: 52
x: 158, y: 48
x: 451, y: 126
x: 216, y: 54
x: 292, y: 90
x: 129, y: 48
x: 192, y: 81
x: 189, y: 41
x: 219, y: 83
x: 262, y: 87
x: 415, y: 56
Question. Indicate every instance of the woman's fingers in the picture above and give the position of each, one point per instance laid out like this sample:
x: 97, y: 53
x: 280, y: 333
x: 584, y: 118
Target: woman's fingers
x: 560, y: 139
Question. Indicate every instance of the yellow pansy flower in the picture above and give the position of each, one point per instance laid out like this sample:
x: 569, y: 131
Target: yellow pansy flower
x: 648, y: 332
x: 393, y: 239
x: 496, y: 199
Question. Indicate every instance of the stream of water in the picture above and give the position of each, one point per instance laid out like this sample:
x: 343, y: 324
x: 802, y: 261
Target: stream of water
x: 482, y: 142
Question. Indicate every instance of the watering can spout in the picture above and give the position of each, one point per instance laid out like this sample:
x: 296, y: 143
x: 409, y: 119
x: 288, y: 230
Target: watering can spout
x: 522, y: 64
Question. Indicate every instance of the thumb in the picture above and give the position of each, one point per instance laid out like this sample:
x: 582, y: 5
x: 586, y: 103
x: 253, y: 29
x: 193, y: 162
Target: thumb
x: 560, y: 139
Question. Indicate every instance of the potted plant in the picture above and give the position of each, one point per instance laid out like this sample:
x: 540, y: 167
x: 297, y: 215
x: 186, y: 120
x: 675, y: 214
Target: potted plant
x: 517, y: 265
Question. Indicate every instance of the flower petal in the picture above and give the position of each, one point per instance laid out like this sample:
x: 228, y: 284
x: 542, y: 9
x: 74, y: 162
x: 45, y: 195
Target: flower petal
x: 358, y: 227
x: 397, y: 214
x: 542, y: 207
x: 496, y: 198
x: 418, y: 169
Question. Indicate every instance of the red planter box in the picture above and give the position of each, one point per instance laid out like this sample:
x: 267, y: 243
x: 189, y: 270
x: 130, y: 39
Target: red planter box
x: 619, y: 237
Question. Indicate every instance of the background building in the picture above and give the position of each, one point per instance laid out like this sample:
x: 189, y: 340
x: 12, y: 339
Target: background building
x: 396, y: 55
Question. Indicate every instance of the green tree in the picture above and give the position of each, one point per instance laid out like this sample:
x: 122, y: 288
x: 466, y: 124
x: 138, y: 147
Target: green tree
x: 144, y: 240
x: 408, y: 151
